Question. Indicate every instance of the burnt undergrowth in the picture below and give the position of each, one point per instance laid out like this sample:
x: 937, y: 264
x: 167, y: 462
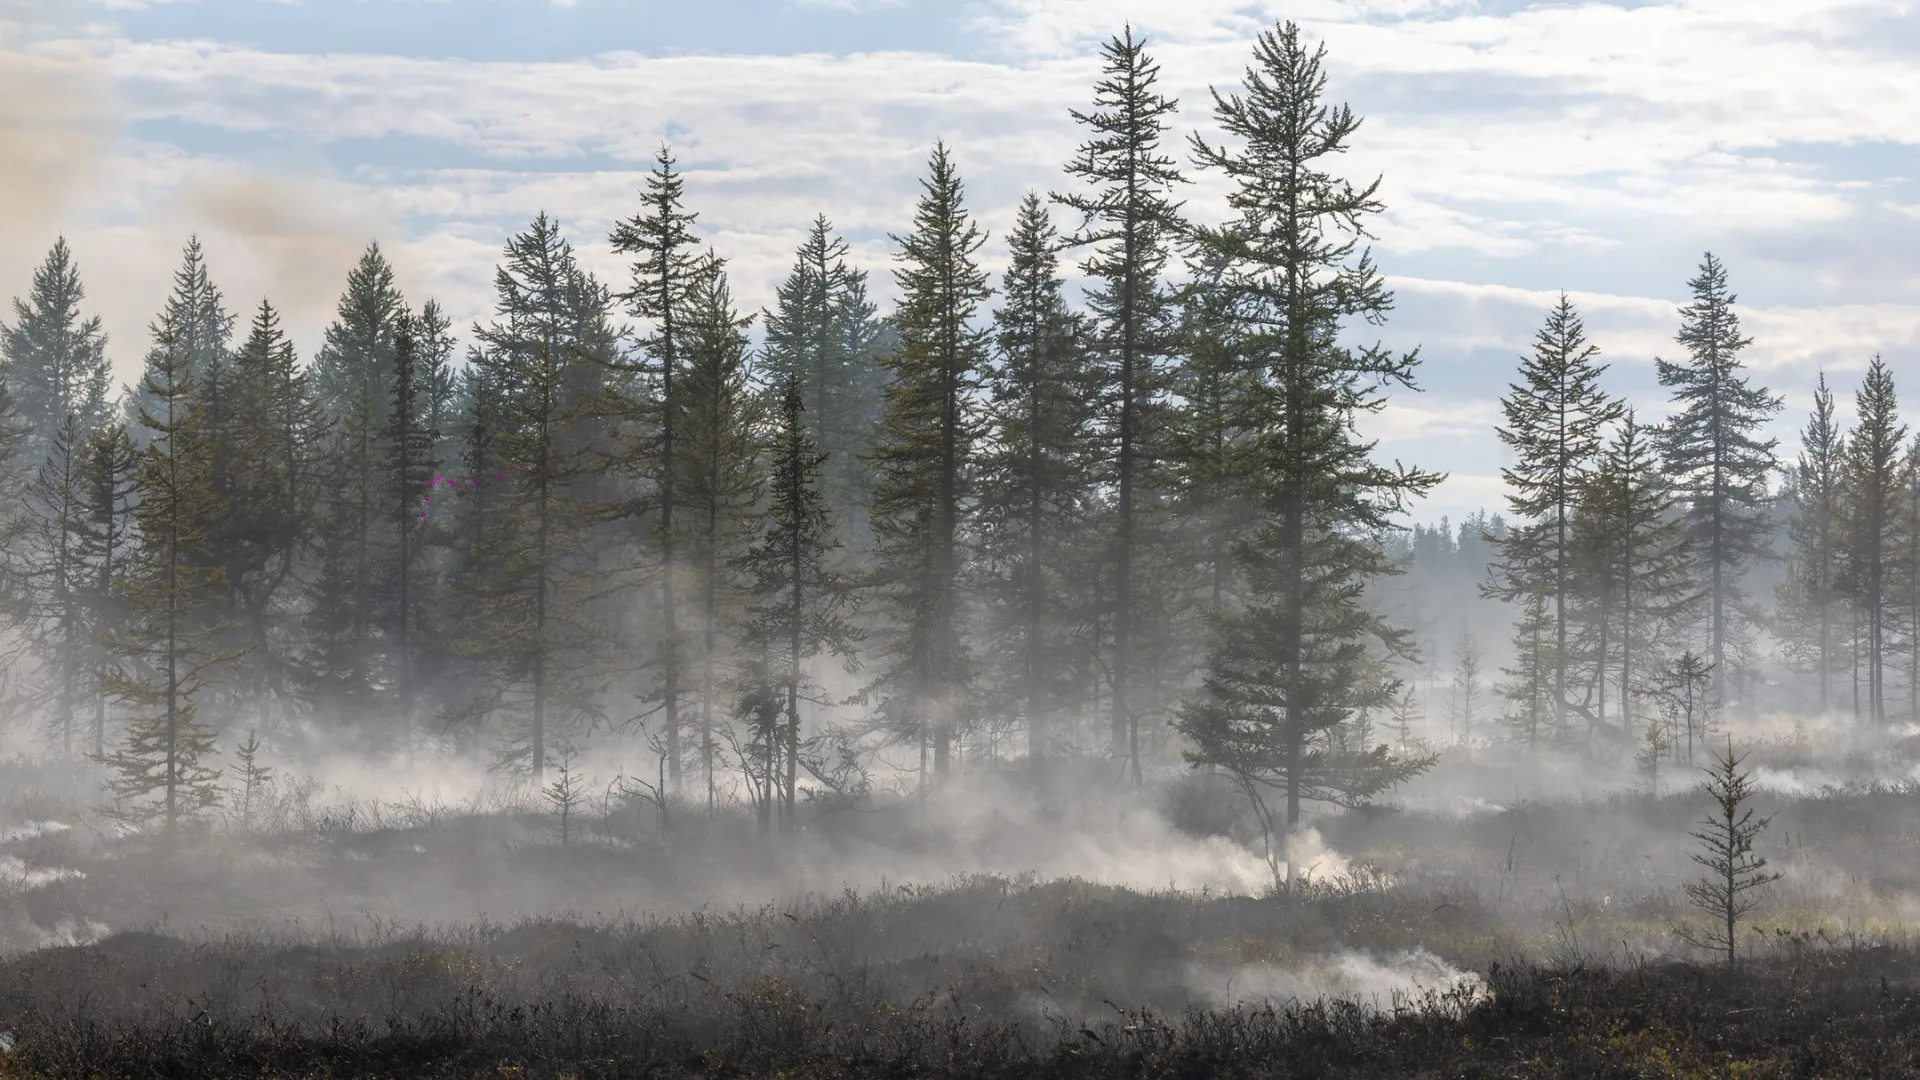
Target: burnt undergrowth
x: 979, y: 977
x: 1841, y: 1012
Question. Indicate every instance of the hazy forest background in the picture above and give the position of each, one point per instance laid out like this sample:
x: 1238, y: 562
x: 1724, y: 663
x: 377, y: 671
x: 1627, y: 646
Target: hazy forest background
x: 792, y: 557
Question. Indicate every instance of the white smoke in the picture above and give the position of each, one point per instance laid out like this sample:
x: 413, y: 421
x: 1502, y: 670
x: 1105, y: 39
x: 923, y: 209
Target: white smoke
x: 1310, y: 859
x: 1400, y: 980
x: 32, y: 830
x: 17, y: 877
x: 69, y: 930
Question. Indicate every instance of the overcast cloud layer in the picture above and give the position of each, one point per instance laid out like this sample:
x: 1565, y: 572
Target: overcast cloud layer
x: 1526, y: 148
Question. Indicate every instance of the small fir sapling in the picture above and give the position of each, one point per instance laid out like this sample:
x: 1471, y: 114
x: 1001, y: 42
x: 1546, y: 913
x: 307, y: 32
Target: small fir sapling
x: 1727, y: 892
x: 254, y: 777
x: 566, y: 793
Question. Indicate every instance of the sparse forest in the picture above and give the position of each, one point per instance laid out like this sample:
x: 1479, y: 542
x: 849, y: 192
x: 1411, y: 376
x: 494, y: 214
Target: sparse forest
x: 996, y: 524
x: 932, y: 587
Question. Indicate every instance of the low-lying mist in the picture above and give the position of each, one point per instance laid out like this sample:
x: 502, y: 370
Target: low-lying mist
x: 1537, y: 837
x: 362, y: 904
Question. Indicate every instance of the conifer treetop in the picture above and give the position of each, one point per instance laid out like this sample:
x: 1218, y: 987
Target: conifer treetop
x: 1712, y: 435
x: 937, y: 271
x: 1556, y: 416
x: 1132, y: 179
x: 662, y: 240
x: 54, y: 358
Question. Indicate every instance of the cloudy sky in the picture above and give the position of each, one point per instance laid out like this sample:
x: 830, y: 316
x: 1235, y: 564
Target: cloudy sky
x: 1596, y: 147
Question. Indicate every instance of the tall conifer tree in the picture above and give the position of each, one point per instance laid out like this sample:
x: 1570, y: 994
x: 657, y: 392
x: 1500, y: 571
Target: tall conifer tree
x: 202, y: 329
x: 109, y: 495
x: 1555, y: 421
x: 352, y: 377
x: 923, y: 457
x: 1809, y: 602
x: 720, y: 481
x: 352, y: 374
x: 799, y: 604
x: 274, y: 431
x: 438, y: 378
x: 54, y: 358
x: 1717, y: 456
x: 1875, y: 493
x: 665, y: 255
x: 169, y: 642
x: 411, y: 461
x: 57, y: 622
x: 1128, y: 218
x: 1034, y: 480
x: 1292, y: 666
x: 1908, y: 565
x: 822, y: 330
x: 470, y: 697
x: 1635, y: 564
x: 538, y: 614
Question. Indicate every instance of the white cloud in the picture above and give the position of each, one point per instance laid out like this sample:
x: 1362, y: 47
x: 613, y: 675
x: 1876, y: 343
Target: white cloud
x: 1580, y: 135
x: 1410, y: 418
x: 845, y: 5
x: 1637, y: 328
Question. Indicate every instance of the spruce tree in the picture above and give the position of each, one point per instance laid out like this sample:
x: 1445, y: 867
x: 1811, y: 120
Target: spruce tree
x: 333, y: 672
x: 438, y: 386
x: 57, y: 577
x: 109, y: 485
x: 1532, y: 675
x: 720, y: 481
x: 1213, y: 432
x: 409, y: 452
x: 1289, y: 666
x: 1875, y: 490
x: 168, y: 643
x: 1684, y: 688
x: 21, y: 604
x: 1809, y: 602
x: 1555, y: 423
x: 537, y: 618
x: 1636, y: 563
x: 1726, y: 836
x: 274, y: 432
x: 352, y: 374
x: 470, y: 696
x: 1212, y: 436
x: 664, y: 275
x: 1128, y: 218
x: 254, y: 777
x: 1716, y: 455
x: 1909, y: 567
x: 1034, y: 478
x: 217, y: 416
x: 822, y: 330
x: 54, y: 359
x: 799, y: 604
x: 1464, y: 694
x: 201, y: 327
x: 923, y: 458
